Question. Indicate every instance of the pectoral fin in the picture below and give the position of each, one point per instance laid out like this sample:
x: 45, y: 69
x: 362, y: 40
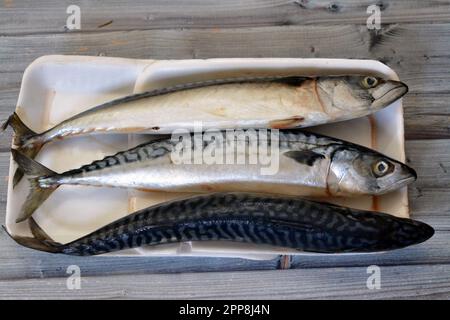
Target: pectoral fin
x: 307, y: 157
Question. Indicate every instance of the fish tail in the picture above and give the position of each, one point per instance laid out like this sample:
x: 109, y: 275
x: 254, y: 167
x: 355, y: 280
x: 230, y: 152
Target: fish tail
x: 47, y: 245
x: 35, y: 198
x: 25, y: 139
x: 37, y: 231
x: 30, y: 153
x: 21, y: 132
x: 37, y: 194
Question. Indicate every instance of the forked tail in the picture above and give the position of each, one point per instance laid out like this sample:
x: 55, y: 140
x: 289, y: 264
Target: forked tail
x: 23, y: 140
x: 41, y: 241
x: 37, y: 194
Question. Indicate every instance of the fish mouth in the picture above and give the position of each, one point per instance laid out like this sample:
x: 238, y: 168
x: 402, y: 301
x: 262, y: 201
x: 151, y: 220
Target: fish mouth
x: 387, y: 93
x: 411, y: 172
x: 397, y: 185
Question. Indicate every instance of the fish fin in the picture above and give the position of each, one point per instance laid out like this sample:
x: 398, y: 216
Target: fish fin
x: 18, y: 175
x: 21, y: 134
x: 37, y: 231
x: 30, y: 153
x: 307, y: 157
x: 293, y: 80
x: 33, y: 243
x: 35, y: 198
x: 37, y: 194
x: 21, y: 131
x: 30, y: 166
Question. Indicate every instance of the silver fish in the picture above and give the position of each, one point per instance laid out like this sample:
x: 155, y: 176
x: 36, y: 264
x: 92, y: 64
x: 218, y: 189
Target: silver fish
x: 308, y: 165
x: 279, y: 221
x: 265, y: 102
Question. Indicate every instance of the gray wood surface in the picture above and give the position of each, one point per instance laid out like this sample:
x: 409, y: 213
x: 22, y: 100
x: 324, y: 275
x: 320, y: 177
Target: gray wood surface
x: 414, y: 41
x: 412, y: 282
x: 113, y: 15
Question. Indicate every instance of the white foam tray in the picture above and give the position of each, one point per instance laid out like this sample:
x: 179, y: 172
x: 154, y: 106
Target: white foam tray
x: 57, y: 87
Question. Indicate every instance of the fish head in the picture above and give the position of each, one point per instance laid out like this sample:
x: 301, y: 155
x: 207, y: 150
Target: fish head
x: 388, y: 232
x: 356, y: 170
x: 406, y: 232
x: 352, y: 96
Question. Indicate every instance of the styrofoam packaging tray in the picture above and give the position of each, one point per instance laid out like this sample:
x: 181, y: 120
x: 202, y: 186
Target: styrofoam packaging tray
x: 57, y: 87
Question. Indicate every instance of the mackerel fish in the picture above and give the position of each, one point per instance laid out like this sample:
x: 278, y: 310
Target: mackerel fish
x: 285, y: 222
x: 306, y: 164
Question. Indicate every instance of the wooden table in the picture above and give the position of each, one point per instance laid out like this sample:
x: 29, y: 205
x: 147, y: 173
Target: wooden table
x: 414, y: 40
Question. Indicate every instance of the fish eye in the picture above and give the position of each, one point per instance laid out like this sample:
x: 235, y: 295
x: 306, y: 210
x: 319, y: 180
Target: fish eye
x: 381, y: 167
x: 369, y: 82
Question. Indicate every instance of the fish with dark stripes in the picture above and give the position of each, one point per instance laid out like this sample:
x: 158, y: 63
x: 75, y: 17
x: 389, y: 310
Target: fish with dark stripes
x: 286, y: 222
x: 307, y: 164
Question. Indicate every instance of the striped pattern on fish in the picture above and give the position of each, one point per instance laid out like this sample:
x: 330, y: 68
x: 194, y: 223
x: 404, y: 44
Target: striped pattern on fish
x: 250, y: 218
x: 307, y: 164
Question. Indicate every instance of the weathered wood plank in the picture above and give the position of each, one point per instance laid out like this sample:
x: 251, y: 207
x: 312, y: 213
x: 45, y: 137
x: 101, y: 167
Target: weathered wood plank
x: 391, y: 45
x: 9, y: 93
x: 24, y: 17
x: 431, y: 160
x: 417, y: 282
x: 16, y: 52
x: 4, y: 172
x: 427, y: 115
x: 431, y: 206
x: 47, y: 266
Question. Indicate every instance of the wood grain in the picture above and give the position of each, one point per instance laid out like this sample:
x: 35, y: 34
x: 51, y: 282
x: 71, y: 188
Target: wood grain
x: 431, y: 160
x: 427, y: 115
x: 415, y: 282
x: 25, y: 17
x: 391, y: 44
